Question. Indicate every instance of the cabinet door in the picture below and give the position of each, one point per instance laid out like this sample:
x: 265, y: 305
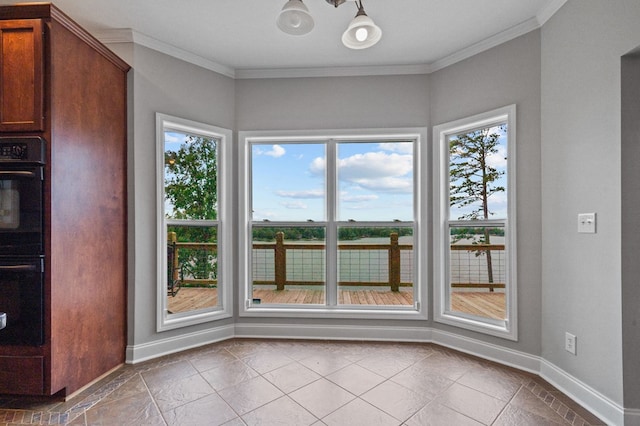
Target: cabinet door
x: 21, y: 75
x: 21, y: 375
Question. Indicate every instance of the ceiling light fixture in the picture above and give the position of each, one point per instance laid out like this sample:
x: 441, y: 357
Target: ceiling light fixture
x: 362, y: 32
x: 295, y: 18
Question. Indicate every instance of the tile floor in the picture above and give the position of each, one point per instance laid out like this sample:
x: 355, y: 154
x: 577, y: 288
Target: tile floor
x: 267, y: 382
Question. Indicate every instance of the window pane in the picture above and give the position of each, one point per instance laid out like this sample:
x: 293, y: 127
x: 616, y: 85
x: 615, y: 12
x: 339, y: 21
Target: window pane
x: 288, y: 181
x: 375, y: 181
x: 288, y: 265
x: 190, y: 176
x: 192, y: 268
x: 375, y: 266
x: 478, y: 174
x: 477, y: 270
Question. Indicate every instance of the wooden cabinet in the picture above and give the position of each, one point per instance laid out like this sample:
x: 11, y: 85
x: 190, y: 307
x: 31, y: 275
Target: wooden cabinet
x: 21, y: 76
x: 60, y: 83
x: 30, y: 370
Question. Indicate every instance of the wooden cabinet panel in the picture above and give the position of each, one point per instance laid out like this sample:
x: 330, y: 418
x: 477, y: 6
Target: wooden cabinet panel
x: 49, y: 64
x: 21, y: 375
x: 21, y: 75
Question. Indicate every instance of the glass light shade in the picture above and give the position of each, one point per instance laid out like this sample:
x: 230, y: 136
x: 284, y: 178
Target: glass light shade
x: 294, y: 18
x: 361, y: 33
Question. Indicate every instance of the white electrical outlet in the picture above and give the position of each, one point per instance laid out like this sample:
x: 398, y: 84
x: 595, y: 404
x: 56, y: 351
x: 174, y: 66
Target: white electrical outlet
x: 570, y: 343
x: 587, y: 223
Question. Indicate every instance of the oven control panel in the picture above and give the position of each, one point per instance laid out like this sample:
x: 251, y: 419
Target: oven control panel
x: 25, y: 149
x: 14, y: 151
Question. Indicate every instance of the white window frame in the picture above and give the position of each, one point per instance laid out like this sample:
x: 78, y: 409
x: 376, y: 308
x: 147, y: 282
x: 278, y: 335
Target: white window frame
x: 166, y: 321
x: 421, y: 176
x: 508, y: 328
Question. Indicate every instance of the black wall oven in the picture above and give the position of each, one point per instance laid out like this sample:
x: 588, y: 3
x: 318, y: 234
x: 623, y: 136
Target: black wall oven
x: 21, y: 300
x: 22, y: 258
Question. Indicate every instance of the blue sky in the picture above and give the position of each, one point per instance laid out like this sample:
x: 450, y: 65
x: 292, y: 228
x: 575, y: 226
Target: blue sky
x: 173, y: 140
x: 375, y: 181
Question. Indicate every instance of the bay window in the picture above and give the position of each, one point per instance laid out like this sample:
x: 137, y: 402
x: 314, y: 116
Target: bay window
x: 474, y: 222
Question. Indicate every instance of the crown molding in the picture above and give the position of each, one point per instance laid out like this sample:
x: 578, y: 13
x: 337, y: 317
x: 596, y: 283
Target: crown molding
x: 128, y: 35
x: 549, y: 10
x: 333, y: 71
x: 486, y: 44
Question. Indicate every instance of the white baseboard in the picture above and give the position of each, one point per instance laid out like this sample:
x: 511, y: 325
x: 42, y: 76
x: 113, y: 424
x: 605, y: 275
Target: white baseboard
x: 488, y: 351
x: 334, y: 332
x: 146, y: 351
x: 601, y: 406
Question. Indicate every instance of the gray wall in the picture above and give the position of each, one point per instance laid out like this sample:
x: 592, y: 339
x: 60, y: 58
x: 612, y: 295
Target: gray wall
x: 332, y: 103
x: 507, y: 74
x: 160, y: 83
x: 581, y: 172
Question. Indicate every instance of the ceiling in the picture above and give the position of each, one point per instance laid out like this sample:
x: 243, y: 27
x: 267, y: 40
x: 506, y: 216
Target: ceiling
x: 240, y: 38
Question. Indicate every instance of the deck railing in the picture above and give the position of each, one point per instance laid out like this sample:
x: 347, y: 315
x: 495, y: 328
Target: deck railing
x: 280, y: 249
x: 462, y: 279
x: 393, y: 249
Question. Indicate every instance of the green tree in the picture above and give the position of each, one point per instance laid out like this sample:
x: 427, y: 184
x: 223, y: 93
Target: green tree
x: 473, y: 179
x: 191, y: 189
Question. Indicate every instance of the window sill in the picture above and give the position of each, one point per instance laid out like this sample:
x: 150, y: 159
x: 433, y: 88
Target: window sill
x: 323, y: 312
x: 191, y: 318
x: 497, y: 328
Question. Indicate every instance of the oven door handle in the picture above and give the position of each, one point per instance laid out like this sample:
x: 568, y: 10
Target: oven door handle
x: 17, y: 173
x: 18, y: 267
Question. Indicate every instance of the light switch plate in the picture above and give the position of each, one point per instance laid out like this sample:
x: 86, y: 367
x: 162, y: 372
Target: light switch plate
x: 587, y: 223
x: 570, y: 341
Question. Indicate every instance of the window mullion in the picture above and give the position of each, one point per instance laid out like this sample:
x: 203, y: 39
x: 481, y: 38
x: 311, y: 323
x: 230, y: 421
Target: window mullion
x: 332, y: 232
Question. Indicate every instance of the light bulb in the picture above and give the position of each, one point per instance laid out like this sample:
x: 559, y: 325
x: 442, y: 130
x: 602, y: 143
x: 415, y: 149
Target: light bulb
x: 362, y: 34
x: 295, y: 21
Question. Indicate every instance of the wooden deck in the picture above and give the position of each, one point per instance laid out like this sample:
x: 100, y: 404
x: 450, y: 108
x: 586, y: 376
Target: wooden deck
x: 485, y: 304
x: 191, y: 299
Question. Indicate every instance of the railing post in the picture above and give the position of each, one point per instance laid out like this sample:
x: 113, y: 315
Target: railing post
x: 280, y: 259
x: 172, y: 237
x: 394, y: 263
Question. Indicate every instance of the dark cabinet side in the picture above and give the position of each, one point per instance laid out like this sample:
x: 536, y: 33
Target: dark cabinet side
x: 21, y: 76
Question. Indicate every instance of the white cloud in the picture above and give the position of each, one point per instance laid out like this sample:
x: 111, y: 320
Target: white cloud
x: 499, y: 159
x: 264, y: 214
x: 358, y: 198
x: 295, y: 205
x: 386, y: 184
x: 317, y: 166
x: 378, y: 171
x: 276, y: 151
x: 174, y: 138
x: 375, y: 171
x: 498, y: 201
x: 401, y: 147
x: 305, y: 194
x: 374, y: 165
